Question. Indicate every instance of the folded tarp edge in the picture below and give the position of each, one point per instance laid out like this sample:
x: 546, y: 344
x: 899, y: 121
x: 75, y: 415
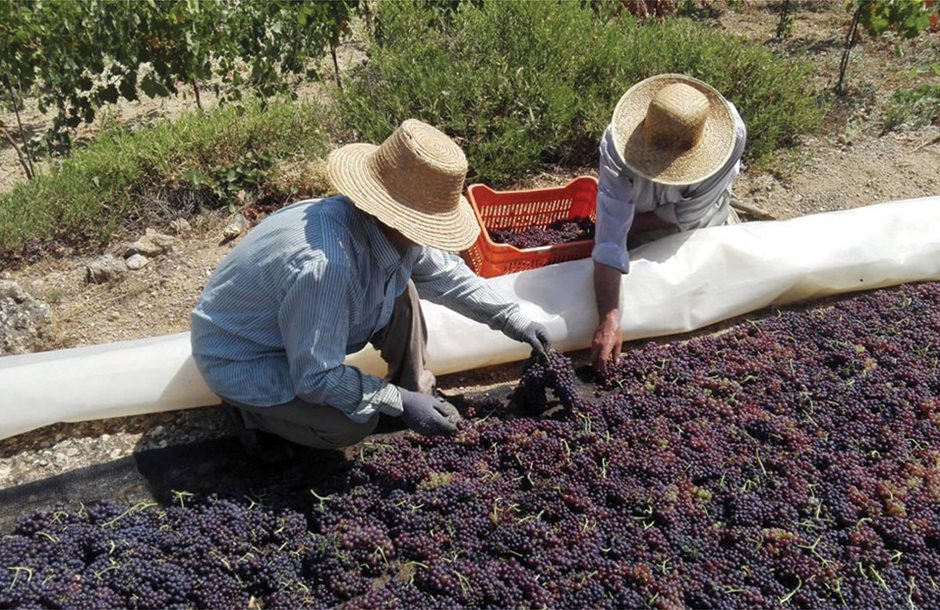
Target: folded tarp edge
x: 678, y: 284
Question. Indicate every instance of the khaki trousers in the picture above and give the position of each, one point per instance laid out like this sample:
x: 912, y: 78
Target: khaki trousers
x: 402, y: 344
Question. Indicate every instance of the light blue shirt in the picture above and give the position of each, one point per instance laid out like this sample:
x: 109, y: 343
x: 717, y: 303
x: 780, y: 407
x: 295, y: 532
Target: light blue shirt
x: 621, y: 194
x: 309, y: 285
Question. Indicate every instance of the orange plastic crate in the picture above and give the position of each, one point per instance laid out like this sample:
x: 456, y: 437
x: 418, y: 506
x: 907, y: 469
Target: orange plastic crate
x: 520, y: 210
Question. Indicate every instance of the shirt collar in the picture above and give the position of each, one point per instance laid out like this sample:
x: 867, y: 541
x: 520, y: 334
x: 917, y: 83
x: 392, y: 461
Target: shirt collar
x: 383, y: 250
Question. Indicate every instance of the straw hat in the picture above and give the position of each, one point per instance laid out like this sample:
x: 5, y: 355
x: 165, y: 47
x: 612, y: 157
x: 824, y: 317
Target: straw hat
x: 412, y: 182
x: 673, y: 129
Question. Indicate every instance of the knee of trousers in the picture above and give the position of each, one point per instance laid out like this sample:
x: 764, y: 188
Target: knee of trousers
x: 348, y: 432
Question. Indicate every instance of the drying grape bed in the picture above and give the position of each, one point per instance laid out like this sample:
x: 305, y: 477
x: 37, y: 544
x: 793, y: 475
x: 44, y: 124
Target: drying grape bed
x: 559, y: 232
x: 791, y: 461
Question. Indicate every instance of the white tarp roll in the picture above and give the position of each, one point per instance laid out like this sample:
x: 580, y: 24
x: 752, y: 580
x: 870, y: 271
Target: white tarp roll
x: 677, y: 284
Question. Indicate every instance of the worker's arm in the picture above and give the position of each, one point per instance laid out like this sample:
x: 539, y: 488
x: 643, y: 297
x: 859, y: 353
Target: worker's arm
x: 615, y: 217
x: 608, y: 338
x: 314, y: 322
x: 445, y: 279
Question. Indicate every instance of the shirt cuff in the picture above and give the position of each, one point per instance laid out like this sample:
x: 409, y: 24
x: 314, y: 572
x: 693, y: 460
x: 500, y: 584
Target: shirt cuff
x: 388, y: 400
x: 612, y: 255
x: 385, y: 399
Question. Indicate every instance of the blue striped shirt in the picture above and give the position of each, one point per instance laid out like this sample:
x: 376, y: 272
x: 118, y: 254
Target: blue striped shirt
x: 309, y: 285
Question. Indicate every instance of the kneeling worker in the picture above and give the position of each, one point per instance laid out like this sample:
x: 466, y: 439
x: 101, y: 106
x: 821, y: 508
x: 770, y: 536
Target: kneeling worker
x: 318, y: 280
x: 667, y: 162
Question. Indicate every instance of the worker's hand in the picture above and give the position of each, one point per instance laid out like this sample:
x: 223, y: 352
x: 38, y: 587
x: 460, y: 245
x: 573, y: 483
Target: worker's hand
x: 534, y: 334
x: 605, y: 347
x: 428, y: 415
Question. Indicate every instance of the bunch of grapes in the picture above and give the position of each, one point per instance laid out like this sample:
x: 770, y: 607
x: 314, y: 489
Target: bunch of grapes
x: 541, y: 374
x: 559, y: 232
x: 789, y: 461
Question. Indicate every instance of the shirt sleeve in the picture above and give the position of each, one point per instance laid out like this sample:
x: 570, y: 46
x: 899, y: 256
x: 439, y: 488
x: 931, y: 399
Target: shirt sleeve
x: 314, y: 322
x: 615, y: 209
x: 445, y: 279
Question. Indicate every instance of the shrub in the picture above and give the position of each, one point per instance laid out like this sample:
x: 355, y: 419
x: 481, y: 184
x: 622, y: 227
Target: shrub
x: 200, y: 159
x: 523, y: 85
x: 917, y: 107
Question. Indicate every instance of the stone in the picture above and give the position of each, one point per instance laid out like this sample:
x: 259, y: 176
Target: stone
x: 105, y: 269
x: 152, y: 244
x: 24, y: 320
x: 763, y: 182
x: 235, y: 228
x: 136, y: 261
x: 181, y: 226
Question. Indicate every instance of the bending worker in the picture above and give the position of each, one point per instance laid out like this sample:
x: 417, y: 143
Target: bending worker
x: 318, y: 280
x: 667, y: 161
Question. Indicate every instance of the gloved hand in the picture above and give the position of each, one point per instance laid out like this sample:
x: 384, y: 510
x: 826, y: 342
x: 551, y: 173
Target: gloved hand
x: 534, y: 334
x: 428, y: 415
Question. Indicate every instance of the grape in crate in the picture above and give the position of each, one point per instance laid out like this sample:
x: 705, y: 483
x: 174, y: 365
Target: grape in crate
x: 559, y: 232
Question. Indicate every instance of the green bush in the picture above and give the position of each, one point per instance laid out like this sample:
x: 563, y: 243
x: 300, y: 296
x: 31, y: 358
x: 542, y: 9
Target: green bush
x: 524, y: 85
x: 200, y: 159
x: 917, y: 107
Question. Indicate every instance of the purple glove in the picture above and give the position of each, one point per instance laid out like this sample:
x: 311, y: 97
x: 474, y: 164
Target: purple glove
x: 428, y: 415
x: 534, y: 334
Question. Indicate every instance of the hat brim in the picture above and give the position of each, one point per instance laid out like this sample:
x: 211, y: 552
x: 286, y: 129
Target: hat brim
x: 672, y: 167
x: 454, y: 230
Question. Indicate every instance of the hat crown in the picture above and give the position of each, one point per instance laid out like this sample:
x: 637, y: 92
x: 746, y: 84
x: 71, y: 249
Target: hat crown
x: 675, y: 118
x: 422, y: 166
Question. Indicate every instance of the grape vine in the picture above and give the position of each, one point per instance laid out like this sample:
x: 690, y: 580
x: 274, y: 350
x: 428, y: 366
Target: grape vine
x: 907, y: 18
x: 76, y: 57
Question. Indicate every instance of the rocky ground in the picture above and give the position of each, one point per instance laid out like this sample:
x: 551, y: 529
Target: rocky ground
x: 851, y: 162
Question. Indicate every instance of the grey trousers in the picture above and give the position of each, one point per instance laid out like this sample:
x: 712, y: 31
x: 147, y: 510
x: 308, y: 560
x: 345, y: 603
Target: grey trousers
x: 402, y: 344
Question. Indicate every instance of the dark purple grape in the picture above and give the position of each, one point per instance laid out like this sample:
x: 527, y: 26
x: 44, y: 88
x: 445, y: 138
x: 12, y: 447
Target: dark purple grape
x: 791, y: 460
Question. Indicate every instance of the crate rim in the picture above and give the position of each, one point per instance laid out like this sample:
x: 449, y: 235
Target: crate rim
x: 484, y: 231
x: 568, y: 184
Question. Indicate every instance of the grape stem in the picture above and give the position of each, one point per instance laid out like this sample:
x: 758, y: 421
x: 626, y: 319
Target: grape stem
x: 799, y: 585
x: 16, y: 573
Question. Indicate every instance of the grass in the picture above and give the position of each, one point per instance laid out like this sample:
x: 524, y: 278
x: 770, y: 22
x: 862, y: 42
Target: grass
x: 201, y: 160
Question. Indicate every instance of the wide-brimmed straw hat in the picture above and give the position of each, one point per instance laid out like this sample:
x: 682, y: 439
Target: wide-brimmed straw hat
x: 412, y: 182
x: 673, y: 129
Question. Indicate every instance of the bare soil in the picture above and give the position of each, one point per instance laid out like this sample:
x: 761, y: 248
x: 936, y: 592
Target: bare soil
x: 851, y: 162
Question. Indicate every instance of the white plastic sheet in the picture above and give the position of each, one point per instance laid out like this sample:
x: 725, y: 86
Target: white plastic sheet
x: 678, y: 284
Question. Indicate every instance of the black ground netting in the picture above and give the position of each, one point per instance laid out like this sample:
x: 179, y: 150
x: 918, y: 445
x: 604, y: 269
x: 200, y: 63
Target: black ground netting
x: 213, y: 466
x: 789, y: 461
